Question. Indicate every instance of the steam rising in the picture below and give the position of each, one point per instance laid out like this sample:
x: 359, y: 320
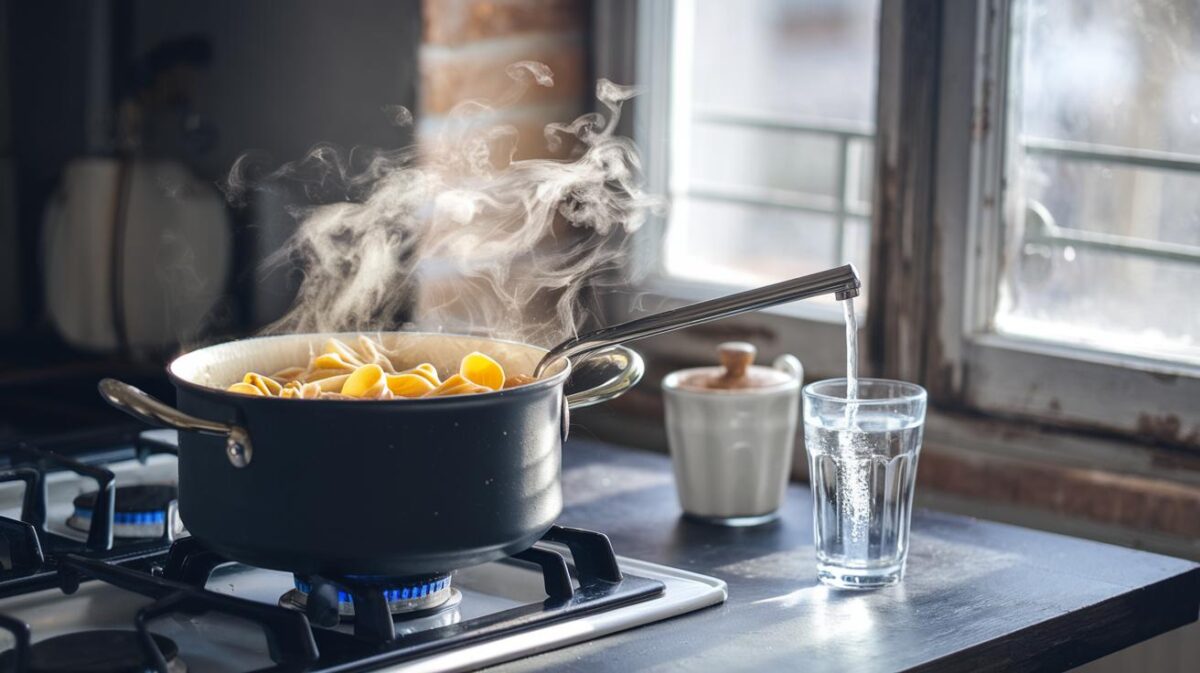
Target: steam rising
x: 492, y: 244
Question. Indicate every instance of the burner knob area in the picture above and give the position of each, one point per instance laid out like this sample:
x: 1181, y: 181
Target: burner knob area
x: 321, y: 606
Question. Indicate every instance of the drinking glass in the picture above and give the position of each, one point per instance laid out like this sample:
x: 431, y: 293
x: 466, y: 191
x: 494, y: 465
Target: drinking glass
x: 862, y: 459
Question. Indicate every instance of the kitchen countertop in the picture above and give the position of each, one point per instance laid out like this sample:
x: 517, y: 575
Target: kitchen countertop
x: 977, y: 594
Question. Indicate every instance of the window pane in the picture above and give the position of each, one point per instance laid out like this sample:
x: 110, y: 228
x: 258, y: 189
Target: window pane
x: 773, y: 160
x: 1104, y: 249
x: 798, y: 58
x: 754, y: 157
x: 738, y: 244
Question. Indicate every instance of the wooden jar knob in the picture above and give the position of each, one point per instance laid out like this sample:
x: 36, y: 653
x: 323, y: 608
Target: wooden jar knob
x: 736, y: 357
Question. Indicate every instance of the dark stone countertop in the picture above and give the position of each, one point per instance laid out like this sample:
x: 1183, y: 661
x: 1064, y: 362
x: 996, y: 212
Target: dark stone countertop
x: 977, y: 595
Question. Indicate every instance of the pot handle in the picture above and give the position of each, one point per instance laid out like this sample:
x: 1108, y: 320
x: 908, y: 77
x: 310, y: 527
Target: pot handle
x: 619, y: 369
x: 142, y: 406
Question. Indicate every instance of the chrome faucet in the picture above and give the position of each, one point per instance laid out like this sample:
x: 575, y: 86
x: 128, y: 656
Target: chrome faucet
x: 843, y: 282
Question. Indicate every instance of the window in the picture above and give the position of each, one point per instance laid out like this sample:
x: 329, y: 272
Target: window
x: 1066, y: 196
x: 1027, y: 173
x: 756, y: 120
x: 1102, y: 244
x: 771, y: 160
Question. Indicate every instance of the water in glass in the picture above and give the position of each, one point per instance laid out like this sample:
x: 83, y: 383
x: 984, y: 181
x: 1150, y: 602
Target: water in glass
x: 862, y: 438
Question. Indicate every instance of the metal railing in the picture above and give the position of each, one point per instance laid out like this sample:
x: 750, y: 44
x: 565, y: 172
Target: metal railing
x: 1047, y: 232
x: 1109, y: 154
x: 840, y: 205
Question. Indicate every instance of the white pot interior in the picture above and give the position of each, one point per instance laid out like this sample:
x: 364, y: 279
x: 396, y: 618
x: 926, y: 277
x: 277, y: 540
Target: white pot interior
x: 221, y: 365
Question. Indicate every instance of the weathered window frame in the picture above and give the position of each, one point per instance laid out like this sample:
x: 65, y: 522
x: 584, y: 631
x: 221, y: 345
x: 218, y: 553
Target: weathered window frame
x: 949, y: 345
x: 635, y: 42
x: 937, y: 219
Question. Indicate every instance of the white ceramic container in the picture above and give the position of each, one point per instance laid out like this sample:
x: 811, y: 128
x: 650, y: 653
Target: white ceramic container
x: 732, y: 448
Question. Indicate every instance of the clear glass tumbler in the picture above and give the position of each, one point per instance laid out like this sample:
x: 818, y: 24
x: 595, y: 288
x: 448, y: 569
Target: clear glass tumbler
x: 862, y: 460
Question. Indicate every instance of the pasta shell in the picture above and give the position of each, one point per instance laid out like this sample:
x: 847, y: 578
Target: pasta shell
x: 332, y: 361
x: 372, y: 354
x: 456, y: 385
x: 318, y: 374
x: 380, y: 393
x: 367, y: 370
x: 426, y: 371
x: 245, y: 389
x: 408, y: 385
x: 366, y: 381
x: 333, y: 384
x: 482, y: 371
x: 346, y: 353
x: 267, y: 385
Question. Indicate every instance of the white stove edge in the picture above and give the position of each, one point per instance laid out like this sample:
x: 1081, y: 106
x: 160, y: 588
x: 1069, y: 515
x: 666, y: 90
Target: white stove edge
x: 685, y: 592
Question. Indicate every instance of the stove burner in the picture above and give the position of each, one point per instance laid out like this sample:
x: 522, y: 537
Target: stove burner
x: 111, y: 651
x: 140, y: 510
x: 410, y: 598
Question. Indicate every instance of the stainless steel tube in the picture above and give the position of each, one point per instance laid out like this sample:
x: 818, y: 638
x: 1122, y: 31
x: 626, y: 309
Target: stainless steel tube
x: 842, y: 281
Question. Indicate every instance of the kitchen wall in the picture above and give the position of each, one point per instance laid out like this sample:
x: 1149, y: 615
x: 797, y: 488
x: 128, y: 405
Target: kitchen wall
x: 285, y: 76
x: 10, y: 297
x: 281, y: 76
x: 466, y: 46
x: 43, y: 122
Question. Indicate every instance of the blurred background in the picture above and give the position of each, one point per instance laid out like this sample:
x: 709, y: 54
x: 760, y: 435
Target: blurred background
x: 122, y: 118
x: 119, y: 122
x: 1056, y: 322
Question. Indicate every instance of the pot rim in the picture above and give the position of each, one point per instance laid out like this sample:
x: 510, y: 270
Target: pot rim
x: 555, y: 380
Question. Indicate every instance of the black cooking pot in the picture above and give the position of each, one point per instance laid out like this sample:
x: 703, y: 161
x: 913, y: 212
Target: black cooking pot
x: 384, y: 487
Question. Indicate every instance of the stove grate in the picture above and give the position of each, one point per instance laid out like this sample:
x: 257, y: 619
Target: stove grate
x: 579, y: 573
x: 595, y: 584
x: 31, y: 466
x: 289, y: 636
x: 34, y: 550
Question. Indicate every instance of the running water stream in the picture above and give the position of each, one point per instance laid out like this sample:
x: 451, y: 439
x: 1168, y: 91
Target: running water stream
x: 851, y: 357
x: 855, y: 503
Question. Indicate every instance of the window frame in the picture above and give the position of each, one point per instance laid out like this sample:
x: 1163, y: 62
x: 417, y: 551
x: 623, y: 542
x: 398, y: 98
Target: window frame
x: 938, y: 213
x: 981, y: 369
x: 631, y: 47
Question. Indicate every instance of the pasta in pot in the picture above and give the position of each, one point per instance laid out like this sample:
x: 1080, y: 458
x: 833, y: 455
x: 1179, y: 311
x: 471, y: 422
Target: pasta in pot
x: 366, y: 372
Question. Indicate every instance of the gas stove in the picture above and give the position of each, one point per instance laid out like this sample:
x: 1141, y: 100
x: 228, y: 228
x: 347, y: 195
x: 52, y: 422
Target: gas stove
x: 100, y: 575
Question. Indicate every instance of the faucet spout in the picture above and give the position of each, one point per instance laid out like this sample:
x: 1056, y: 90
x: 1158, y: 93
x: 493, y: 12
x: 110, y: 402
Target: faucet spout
x: 843, y: 282
x: 853, y: 284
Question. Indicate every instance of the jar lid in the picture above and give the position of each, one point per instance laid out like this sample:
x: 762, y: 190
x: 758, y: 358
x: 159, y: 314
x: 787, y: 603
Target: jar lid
x: 737, y: 371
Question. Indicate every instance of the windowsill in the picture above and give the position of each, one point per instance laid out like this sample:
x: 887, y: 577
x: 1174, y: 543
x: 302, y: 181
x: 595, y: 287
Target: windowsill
x: 1109, y: 490
x: 1085, y: 353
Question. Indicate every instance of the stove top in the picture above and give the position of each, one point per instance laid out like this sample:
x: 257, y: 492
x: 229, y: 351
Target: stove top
x: 74, y: 591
